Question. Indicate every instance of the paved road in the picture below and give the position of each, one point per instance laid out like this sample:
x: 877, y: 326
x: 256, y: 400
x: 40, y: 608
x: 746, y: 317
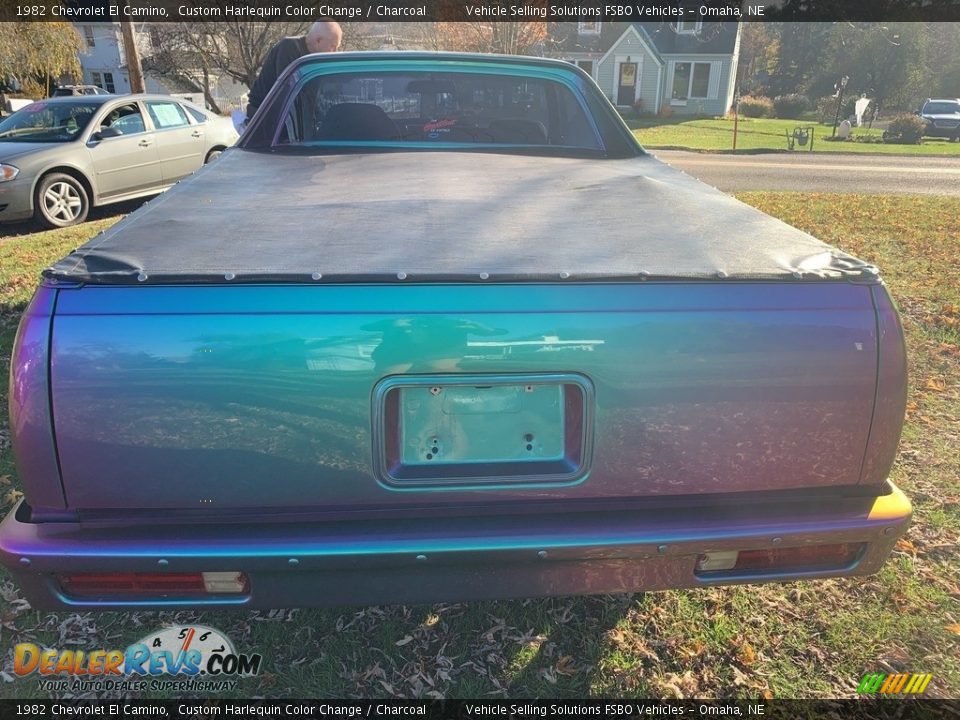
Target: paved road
x: 821, y: 172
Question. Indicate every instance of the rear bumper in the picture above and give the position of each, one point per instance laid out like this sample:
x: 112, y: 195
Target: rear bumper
x: 447, y: 559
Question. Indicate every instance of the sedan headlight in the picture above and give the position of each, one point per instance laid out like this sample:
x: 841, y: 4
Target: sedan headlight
x: 8, y: 172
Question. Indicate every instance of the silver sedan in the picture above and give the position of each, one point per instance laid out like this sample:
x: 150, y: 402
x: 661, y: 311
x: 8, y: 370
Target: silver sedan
x: 62, y: 156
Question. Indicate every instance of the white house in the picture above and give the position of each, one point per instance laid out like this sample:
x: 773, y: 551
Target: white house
x: 103, y: 61
x: 104, y: 65
x: 689, y: 67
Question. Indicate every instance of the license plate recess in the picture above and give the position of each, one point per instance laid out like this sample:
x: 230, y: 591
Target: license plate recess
x: 448, y: 430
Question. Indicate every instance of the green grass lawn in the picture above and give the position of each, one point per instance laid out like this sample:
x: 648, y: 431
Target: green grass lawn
x: 715, y: 134
x: 805, y: 639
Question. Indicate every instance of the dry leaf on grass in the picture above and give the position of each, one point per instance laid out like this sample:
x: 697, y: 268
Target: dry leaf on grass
x: 565, y: 666
x: 954, y: 628
x: 905, y: 545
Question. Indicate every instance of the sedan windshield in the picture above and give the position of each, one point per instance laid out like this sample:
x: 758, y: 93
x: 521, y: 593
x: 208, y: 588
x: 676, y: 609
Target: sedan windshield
x: 941, y: 108
x: 47, y: 122
x: 438, y: 108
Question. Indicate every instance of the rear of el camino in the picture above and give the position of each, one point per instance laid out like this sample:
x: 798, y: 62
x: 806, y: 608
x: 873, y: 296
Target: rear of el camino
x: 501, y: 393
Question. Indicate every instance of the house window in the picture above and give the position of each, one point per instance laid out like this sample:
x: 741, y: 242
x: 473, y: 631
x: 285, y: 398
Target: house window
x: 96, y: 79
x: 689, y: 27
x: 690, y: 80
x: 88, y: 36
x: 108, y: 83
x: 588, y: 28
x: 700, y: 81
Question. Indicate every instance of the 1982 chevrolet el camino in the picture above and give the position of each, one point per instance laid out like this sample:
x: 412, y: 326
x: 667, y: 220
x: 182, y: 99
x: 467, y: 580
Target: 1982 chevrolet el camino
x: 438, y: 328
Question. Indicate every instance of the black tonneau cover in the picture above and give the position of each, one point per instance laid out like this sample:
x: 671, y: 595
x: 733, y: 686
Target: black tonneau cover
x: 424, y: 216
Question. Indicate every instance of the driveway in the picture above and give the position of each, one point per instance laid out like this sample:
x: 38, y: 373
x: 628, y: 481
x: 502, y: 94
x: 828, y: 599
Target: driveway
x: 821, y: 172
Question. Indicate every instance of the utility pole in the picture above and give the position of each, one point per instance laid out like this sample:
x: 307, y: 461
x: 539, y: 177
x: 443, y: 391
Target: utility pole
x: 132, y: 54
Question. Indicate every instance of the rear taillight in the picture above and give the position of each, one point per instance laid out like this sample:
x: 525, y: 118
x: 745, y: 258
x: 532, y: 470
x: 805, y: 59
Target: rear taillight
x: 805, y: 558
x: 153, y: 584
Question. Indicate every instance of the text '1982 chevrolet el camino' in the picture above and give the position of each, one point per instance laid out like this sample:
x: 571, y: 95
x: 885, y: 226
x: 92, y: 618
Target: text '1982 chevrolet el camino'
x: 438, y: 329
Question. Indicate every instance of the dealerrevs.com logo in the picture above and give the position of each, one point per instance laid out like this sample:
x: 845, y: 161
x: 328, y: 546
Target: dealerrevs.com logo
x: 198, y: 657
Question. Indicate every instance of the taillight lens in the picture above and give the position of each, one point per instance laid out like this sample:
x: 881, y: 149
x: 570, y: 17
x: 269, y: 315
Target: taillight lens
x: 154, y: 584
x: 807, y: 557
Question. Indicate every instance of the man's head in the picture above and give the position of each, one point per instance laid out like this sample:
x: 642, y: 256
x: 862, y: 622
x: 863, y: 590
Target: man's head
x: 324, y: 37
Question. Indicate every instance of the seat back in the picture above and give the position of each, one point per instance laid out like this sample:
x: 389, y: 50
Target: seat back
x: 357, y: 121
x: 518, y: 131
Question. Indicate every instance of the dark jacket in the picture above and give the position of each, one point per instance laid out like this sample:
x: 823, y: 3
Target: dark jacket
x: 280, y: 55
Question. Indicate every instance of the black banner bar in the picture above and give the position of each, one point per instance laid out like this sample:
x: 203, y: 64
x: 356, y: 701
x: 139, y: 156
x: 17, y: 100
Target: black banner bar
x: 610, y: 709
x: 479, y: 10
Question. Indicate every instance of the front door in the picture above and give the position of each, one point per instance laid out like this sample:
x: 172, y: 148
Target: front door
x: 128, y: 162
x: 627, y: 85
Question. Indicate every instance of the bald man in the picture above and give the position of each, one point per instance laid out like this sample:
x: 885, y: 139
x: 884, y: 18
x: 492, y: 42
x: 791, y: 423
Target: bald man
x: 322, y: 37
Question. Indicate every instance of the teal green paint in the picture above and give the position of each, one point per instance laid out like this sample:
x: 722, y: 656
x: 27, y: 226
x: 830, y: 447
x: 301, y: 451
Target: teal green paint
x: 562, y: 75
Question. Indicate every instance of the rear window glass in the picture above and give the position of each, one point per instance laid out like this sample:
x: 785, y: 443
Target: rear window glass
x: 198, y: 115
x: 437, y: 108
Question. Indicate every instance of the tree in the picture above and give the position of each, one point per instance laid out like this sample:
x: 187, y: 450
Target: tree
x: 194, y: 54
x: 885, y: 62
x: 35, y: 54
x: 943, y: 60
x: 801, y: 54
x: 759, y: 49
x: 888, y: 65
x: 508, y: 38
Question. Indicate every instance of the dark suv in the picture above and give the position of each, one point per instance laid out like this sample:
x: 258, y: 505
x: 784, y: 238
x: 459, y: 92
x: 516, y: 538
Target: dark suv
x: 942, y: 118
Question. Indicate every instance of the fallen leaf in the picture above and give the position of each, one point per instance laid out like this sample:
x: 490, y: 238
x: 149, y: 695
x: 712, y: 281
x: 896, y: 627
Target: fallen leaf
x: 740, y: 678
x: 936, y: 384
x: 747, y: 655
x: 906, y: 546
x: 404, y: 641
x: 954, y: 628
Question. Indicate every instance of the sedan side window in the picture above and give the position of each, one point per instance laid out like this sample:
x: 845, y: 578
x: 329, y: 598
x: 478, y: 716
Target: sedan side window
x: 127, y: 119
x: 166, y: 114
x: 197, y: 115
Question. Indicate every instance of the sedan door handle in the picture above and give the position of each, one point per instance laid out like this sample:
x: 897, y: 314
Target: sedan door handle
x: 144, y: 143
x: 197, y: 133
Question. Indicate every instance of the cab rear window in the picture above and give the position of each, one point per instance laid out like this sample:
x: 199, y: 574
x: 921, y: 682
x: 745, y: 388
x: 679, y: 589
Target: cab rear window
x: 437, y: 108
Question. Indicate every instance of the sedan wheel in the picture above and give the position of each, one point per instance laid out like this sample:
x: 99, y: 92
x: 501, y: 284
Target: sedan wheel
x: 212, y: 155
x: 61, y: 201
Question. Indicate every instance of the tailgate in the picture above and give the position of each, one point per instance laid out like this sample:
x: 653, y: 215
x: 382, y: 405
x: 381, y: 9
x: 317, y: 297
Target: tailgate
x: 389, y: 396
